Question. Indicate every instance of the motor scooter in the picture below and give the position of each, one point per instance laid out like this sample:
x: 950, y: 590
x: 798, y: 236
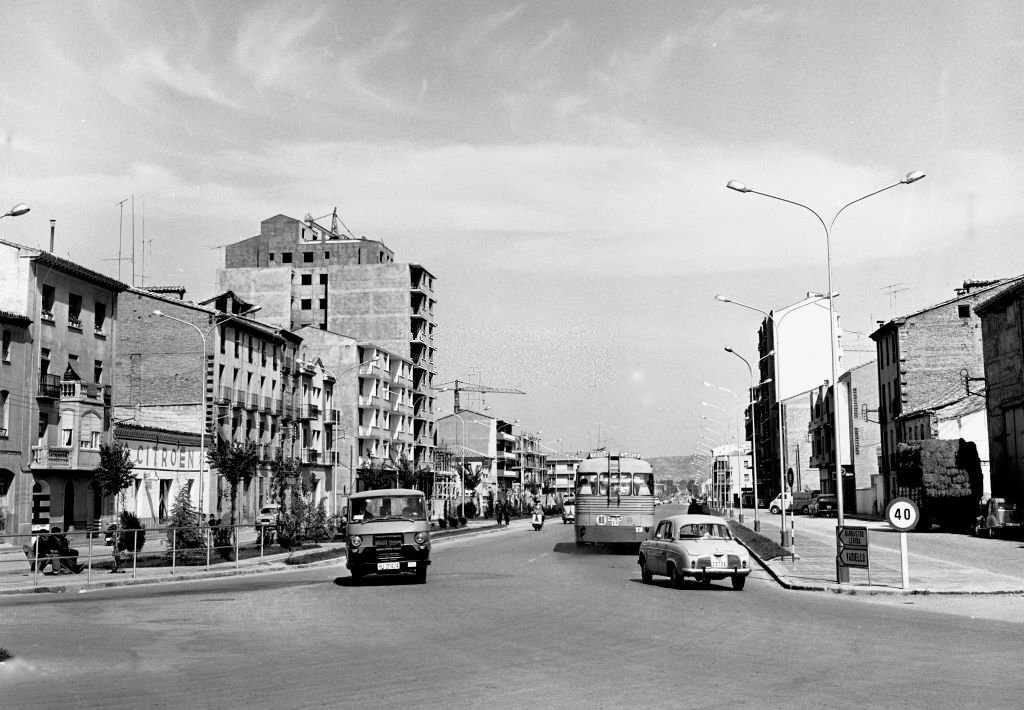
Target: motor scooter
x: 538, y: 519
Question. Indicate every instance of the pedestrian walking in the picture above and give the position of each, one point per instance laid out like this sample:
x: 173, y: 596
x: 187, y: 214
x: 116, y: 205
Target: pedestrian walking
x: 505, y: 510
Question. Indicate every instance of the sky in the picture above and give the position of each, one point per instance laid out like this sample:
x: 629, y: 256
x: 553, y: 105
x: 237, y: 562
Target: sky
x: 560, y: 167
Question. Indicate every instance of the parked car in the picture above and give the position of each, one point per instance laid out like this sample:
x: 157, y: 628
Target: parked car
x: 824, y: 504
x: 797, y: 502
x: 267, y: 515
x: 698, y: 546
x: 997, y: 516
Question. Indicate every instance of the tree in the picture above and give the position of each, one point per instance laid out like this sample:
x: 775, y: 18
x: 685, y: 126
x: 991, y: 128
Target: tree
x: 380, y: 474
x: 183, y: 531
x: 114, y: 474
x: 237, y: 463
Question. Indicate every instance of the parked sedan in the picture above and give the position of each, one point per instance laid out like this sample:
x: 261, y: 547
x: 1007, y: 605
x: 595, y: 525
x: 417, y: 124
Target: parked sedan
x: 825, y: 504
x: 698, y: 546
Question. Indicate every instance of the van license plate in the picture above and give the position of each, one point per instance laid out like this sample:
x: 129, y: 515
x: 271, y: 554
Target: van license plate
x: 389, y: 565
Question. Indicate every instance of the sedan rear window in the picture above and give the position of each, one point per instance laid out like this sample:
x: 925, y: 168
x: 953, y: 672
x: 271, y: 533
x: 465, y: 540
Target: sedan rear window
x: 710, y: 531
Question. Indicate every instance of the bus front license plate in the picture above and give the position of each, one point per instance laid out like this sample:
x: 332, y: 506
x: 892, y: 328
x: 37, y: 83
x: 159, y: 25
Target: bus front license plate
x: 389, y: 565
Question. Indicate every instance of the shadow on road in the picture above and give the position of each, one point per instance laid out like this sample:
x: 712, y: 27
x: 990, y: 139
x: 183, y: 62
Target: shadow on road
x: 571, y: 548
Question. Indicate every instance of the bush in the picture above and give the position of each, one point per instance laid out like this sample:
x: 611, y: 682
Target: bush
x: 131, y: 534
x: 442, y: 523
x: 316, y: 523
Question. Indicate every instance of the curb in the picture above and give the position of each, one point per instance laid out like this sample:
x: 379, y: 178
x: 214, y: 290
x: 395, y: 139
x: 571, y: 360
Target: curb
x: 871, y: 591
x: 282, y: 565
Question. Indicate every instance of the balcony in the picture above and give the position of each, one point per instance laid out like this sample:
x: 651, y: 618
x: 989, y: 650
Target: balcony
x: 64, y: 457
x: 252, y: 401
x: 49, y: 386
x: 310, y: 456
x: 76, y: 390
x: 225, y: 395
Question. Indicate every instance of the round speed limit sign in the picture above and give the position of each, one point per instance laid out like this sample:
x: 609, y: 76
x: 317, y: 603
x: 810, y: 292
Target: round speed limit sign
x: 902, y: 513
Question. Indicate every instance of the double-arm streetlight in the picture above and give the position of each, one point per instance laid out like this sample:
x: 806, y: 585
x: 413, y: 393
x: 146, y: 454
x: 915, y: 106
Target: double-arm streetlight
x: 739, y: 461
x: 911, y: 177
x: 718, y: 486
x: 775, y: 320
x: 202, y: 426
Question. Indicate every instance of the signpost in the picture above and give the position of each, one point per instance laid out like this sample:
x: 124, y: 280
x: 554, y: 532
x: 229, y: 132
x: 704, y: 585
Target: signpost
x: 851, y: 548
x: 903, y: 514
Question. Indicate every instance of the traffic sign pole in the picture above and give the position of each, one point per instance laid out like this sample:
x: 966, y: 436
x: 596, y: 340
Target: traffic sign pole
x: 903, y: 514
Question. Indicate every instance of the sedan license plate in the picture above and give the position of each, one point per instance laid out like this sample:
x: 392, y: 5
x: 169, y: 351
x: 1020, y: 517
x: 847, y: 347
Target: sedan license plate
x: 720, y: 562
x: 389, y: 565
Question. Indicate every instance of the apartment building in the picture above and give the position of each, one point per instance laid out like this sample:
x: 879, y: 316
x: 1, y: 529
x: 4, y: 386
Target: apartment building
x: 16, y: 392
x: 858, y: 437
x: 1002, y: 316
x: 212, y: 370
x: 560, y: 478
x: 58, y: 348
x: 306, y: 274
x: 927, y: 358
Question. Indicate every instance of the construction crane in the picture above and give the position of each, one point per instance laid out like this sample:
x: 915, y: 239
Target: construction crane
x: 457, y: 386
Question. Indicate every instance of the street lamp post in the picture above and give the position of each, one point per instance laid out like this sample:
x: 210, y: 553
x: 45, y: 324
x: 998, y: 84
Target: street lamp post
x: 202, y: 424
x: 753, y: 436
x: 842, y: 573
x: 785, y: 534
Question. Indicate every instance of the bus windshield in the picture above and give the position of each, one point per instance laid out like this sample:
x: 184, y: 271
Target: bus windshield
x: 616, y: 484
x: 384, y: 507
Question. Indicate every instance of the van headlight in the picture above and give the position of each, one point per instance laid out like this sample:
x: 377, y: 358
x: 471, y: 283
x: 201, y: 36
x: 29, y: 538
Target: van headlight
x: 355, y: 541
x: 421, y: 538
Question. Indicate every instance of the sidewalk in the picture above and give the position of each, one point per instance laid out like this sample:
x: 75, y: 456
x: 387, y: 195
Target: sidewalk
x: 937, y: 563
x: 15, y: 577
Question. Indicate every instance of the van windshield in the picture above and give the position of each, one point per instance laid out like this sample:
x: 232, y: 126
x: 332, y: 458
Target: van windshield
x: 386, y: 507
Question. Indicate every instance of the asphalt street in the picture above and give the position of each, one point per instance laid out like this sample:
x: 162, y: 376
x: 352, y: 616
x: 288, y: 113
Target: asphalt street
x: 510, y: 617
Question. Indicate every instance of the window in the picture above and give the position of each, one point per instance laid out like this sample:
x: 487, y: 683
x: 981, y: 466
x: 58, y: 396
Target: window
x: 97, y: 371
x: 963, y: 310
x: 238, y: 342
x: 286, y: 257
x: 323, y: 304
x: 4, y: 404
x: 74, y: 310
x: 100, y: 317
x: 307, y: 257
x: 270, y: 257
x: 44, y: 362
x: 49, y: 293
x: 306, y: 304
x: 327, y: 257
x: 5, y: 349
x: 323, y: 279
x: 307, y: 279
x: 856, y: 440
x: 853, y: 397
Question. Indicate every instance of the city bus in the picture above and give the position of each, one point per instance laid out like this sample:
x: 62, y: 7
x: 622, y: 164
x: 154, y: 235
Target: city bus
x: 614, y: 499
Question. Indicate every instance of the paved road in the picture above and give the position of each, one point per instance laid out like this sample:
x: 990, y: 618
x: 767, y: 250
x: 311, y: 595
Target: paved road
x: 509, y: 618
